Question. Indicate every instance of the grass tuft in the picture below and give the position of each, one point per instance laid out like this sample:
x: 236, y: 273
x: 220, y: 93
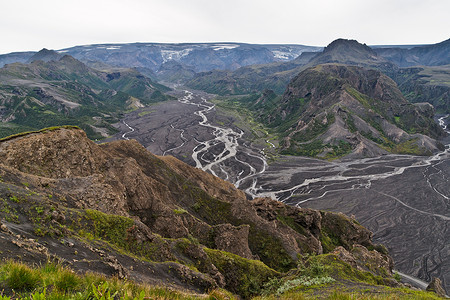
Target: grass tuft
x: 21, y: 277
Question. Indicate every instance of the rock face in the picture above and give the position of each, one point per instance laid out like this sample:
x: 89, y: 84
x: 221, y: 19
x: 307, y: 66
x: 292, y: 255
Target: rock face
x: 436, y: 287
x: 157, y: 207
x: 233, y: 239
x: 363, y: 259
x: 426, y: 84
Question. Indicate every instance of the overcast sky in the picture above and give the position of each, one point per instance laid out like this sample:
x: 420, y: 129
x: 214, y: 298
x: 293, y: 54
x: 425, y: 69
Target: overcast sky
x: 56, y: 24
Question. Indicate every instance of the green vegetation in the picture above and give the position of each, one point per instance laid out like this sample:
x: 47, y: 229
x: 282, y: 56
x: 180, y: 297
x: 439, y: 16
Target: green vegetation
x: 38, y: 131
x: 426, y: 84
x: 290, y: 222
x: 180, y: 211
x: 327, y: 276
x: 245, y: 277
x: 54, y: 281
x: 350, y: 123
x: 319, y: 276
x: 9, y: 210
x: 20, y: 277
x: 316, y: 147
x: 310, y: 273
x: 69, y: 92
x: 266, y: 246
x: 118, y: 232
x: 144, y: 113
x: 367, y: 102
x: 364, y: 294
x: 303, y: 281
x: 341, y: 149
x: 242, y: 110
x: 112, y: 228
x: 269, y: 249
x: 410, y: 147
x: 316, y: 274
x: 314, y: 129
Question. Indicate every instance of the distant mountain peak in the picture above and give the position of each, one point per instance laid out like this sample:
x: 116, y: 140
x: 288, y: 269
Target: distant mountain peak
x: 351, y: 52
x: 347, y: 43
x: 351, y: 48
x: 45, y: 55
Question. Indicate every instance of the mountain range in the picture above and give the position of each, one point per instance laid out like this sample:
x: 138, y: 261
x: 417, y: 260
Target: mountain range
x: 236, y: 68
x: 200, y: 56
x: 340, y: 102
x: 56, y: 85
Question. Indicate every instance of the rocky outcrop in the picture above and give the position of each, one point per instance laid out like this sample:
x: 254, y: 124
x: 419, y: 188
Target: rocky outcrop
x: 435, y: 286
x: 371, y: 261
x: 233, y: 239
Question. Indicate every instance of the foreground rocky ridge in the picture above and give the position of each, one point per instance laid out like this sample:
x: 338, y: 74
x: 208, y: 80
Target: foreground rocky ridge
x: 119, y: 210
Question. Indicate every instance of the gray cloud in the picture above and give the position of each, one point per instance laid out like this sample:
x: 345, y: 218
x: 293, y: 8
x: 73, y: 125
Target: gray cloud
x: 56, y: 24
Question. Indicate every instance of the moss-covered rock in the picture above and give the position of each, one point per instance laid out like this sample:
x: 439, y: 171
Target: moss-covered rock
x: 242, y: 276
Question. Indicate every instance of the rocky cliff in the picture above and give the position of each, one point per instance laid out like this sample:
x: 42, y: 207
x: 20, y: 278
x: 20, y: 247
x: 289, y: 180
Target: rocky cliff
x: 119, y: 210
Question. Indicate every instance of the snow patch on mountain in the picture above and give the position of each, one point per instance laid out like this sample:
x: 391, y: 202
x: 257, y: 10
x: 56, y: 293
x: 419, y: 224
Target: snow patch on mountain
x: 174, y: 54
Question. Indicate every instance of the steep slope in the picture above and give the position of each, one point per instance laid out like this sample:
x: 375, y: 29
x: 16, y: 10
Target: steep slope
x: 118, y: 209
x: 426, y: 84
x: 429, y: 55
x: 66, y: 91
x: 333, y: 110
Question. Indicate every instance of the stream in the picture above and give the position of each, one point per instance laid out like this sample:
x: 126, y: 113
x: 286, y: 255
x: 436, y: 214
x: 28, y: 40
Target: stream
x: 227, y: 140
